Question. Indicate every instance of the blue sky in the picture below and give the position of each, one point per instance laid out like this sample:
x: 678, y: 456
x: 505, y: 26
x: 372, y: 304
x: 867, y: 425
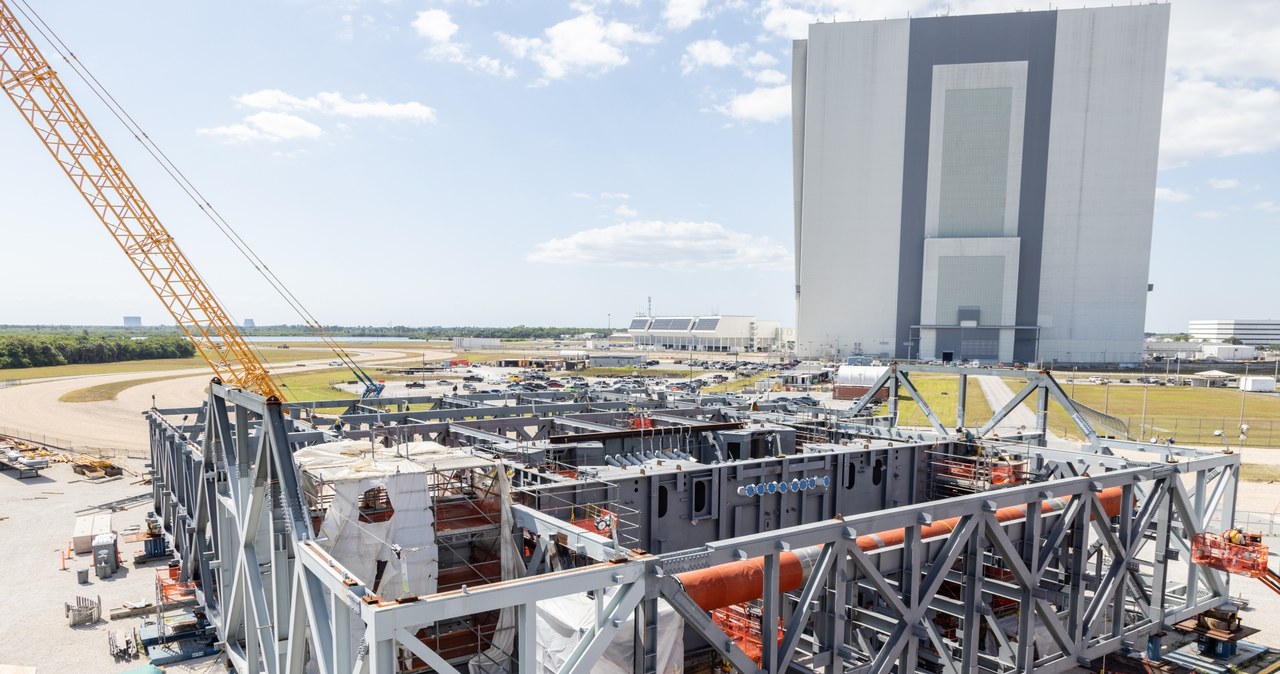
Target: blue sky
x: 468, y: 162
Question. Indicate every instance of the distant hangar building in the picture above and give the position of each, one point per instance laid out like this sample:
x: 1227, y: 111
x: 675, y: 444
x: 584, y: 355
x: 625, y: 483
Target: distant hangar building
x: 1254, y: 332
x: 724, y: 333
x: 978, y: 187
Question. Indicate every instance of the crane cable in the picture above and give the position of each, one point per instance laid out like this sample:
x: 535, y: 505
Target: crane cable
x: 197, y: 197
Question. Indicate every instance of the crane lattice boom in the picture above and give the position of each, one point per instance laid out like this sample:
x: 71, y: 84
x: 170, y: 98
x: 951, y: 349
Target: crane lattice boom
x: 39, y: 94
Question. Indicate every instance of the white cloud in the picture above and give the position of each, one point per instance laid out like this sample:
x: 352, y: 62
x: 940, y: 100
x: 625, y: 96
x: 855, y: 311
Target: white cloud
x: 1211, y: 119
x: 268, y: 126
x: 666, y: 245
x: 626, y: 211
x: 332, y: 103
x: 1166, y: 194
x: 769, y: 76
x: 1223, y: 183
x: 362, y: 108
x: 764, y: 104
x: 277, y: 120
x: 1211, y: 215
x: 580, y: 195
x: 584, y: 44
x: 680, y: 14
x: 438, y: 28
x: 1268, y: 206
x: 614, y: 195
x: 709, y: 53
x: 1239, y: 40
x: 435, y: 25
x: 786, y: 21
x: 762, y: 59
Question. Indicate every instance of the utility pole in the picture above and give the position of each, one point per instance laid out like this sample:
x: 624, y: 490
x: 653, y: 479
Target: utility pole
x: 1242, y: 389
x: 1142, y: 429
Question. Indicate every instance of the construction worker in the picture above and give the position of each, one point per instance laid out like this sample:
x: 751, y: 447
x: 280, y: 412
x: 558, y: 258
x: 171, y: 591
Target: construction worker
x: 1235, y: 536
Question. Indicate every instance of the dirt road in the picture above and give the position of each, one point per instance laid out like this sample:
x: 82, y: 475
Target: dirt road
x: 34, y: 410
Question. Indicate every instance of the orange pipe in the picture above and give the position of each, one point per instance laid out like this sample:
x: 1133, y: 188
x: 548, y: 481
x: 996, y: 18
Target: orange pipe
x: 739, y: 582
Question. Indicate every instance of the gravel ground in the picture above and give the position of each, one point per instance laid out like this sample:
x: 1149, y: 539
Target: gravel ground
x: 39, y: 516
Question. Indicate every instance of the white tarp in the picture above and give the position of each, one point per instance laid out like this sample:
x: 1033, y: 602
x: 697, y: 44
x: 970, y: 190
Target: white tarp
x: 561, y: 619
x: 858, y: 375
x: 496, y: 659
x: 405, y: 542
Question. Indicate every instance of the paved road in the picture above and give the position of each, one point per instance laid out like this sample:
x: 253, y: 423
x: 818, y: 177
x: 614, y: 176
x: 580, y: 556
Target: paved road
x: 35, y: 409
x: 998, y: 394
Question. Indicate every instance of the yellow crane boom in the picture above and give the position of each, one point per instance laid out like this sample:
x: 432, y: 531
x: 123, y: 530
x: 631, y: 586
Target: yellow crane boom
x: 46, y: 105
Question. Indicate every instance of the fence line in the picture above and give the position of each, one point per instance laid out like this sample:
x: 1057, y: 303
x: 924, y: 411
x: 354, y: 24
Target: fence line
x: 1263, y: 432
x: 69, y: 446
x: 1267, y: 524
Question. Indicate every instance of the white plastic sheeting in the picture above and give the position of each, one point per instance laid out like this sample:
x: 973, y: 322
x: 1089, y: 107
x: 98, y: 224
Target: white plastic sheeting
x: 561, y: 619
x: 497, y: 658
x: 406, y: 541
x: 858, y: 375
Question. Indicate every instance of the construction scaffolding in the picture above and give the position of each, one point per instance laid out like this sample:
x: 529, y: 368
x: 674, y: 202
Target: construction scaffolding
x: 1029, y: 558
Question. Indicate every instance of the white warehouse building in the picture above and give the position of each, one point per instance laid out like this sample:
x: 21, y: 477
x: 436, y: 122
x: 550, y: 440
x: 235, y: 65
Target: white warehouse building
x: 979, y: 186
x: 1255, y: 332
x: 726, y: 334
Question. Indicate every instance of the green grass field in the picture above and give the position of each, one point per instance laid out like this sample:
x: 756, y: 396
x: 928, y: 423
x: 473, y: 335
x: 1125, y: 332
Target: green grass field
x: 101, y: 392
x: 1259, y: 473
x: 1190, y: 414
x: 270, y: 355
x: 314, y: 385
x: 941, y: 392
x: 737, y: 384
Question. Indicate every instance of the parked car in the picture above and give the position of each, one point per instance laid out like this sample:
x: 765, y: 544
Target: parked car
x: 415, y: 384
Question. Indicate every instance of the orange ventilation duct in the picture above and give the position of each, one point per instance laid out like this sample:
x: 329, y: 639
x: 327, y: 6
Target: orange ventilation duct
x: 739, y: 582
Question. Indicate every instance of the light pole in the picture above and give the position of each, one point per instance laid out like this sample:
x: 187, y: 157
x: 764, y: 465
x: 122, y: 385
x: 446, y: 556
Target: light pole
x: 1226, y: 447
x: 1242, y: 389
x: 1142, y: 427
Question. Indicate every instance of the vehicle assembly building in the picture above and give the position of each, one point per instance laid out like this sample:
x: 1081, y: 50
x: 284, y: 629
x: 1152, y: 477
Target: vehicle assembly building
x: 978, y: 187
x: 613, y: 532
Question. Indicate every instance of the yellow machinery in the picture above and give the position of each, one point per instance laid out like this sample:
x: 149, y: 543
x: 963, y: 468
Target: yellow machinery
x: 39, y: 94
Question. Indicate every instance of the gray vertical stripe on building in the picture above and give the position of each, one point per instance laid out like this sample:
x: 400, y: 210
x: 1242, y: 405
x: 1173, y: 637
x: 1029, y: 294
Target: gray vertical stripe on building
x: 1024, y: 36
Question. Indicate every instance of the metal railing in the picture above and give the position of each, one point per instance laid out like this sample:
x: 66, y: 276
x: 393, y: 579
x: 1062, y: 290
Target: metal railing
x: 1267, y: 524
x: 70, y: 446
x: 1196, y: 431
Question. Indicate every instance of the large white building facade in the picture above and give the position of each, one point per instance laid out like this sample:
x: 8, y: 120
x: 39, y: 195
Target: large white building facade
x: 1255, y: 332
x: 978, y: 187
x: 723, y: 333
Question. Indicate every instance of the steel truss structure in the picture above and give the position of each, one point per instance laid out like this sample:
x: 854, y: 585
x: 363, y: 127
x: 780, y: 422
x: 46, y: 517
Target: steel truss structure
x: 1088, y: 557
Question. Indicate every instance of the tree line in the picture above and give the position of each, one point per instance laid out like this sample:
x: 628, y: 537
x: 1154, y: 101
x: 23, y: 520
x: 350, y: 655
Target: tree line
x: 430, y: 332
x: 44, y: 349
